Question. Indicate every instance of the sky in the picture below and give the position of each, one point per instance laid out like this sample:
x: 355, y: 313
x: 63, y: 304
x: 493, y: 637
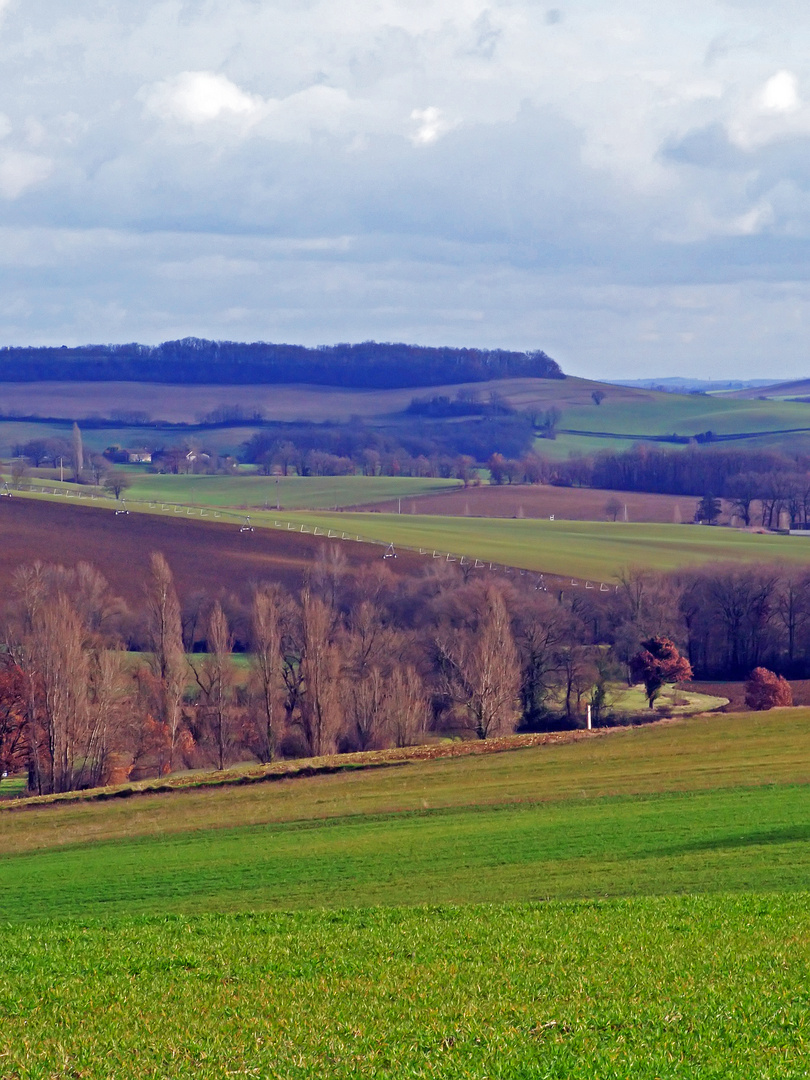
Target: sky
x: 623, y: 184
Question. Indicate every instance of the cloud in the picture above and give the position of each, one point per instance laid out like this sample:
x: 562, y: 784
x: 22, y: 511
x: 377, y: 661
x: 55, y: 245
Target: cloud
x: 459, y: 170
x: 780, y: 93
x: 430, y: 123
x: 198, y: 97
x: 20, y: 171
x: 206, y: 99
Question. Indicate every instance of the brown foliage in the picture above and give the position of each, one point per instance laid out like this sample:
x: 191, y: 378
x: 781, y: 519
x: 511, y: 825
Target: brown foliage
x: 765, y: 690
x: 14, y: 693
x: 659, y: 662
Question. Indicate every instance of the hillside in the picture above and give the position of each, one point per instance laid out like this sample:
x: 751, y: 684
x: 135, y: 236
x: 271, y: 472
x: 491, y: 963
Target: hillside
x: 203, y: 554
x: 628, y: 812
x: 775, y: 391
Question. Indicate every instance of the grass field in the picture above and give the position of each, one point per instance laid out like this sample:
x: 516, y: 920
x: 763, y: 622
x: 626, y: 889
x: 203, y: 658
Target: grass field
x: 565, y: 991
x: 293, y: 492
x: 582, y: 549
x: 595, y: 551
x: 613, y: 814
x: 223, y: 440
x: 679, y: 414
x: 464, y: 980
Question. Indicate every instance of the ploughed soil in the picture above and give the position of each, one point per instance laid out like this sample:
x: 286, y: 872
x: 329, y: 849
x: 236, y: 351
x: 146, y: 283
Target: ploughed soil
x: 202, y: 554
x: 541, y: 500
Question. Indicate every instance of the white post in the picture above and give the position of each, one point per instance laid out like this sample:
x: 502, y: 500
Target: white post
x: 589, y: 718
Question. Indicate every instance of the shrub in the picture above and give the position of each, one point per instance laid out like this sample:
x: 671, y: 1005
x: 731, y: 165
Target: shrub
x: 765, y: 690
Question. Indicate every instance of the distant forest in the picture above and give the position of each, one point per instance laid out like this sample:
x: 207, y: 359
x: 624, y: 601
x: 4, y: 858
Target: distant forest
x: 370, y: 365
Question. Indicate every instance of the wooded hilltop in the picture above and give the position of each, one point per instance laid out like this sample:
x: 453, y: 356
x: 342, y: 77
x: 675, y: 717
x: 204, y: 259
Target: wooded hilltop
x: 369, y: 365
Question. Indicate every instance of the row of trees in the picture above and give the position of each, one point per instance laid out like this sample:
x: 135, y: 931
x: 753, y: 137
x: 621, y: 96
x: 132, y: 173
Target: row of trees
x: 77, y: 709
x: 92, y: 690
x: 369, y: 365
x: 763, y: 487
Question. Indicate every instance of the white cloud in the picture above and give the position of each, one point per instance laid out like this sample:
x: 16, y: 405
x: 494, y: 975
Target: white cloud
x: 198, y: 97
x: 20, y: 171
x: 431, y: 124
x: 203, y: 98
x: 780, y: 93
x: 500, y: 142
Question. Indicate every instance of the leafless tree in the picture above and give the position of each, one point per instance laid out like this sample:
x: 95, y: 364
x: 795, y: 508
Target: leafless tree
x: 480, y: 667
x: 107, y: 703
x: 58, y: 663
x: 215, y: 677
x: 76, y: 453
x: 267, y: 623
x: 406, y: 706
x: 365, y: 700
x: 792, y: 609
x: 319, y: 701
x: 168, y: 659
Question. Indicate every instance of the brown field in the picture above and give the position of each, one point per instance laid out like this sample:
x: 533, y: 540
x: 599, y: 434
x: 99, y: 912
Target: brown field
x: 184, y: 404
x: 209, y: 555
x: 540, y: 501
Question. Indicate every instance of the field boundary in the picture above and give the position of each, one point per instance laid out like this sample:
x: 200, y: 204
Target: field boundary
x: 305, y: 768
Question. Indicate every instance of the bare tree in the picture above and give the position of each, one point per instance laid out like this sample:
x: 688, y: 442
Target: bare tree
x: 168, y: 660
x: 267, y: 617
x: 406, y: 706
x: 792, y: 608
x: 365, y: 701
x: 76, y: 453
x: 481, y: 669
x: 215, y: 678
x: 318, y: 705
x: 613, y: 508
x: 107, y: 699
x: 59, y: 665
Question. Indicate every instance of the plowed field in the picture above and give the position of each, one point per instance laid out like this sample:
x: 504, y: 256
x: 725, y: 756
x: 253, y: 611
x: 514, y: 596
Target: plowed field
x: 210, y: 555
x: 541, y: 501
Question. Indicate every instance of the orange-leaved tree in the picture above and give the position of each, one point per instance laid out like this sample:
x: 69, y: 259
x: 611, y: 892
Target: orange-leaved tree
x: 765, y: 690
x: 657, y: 663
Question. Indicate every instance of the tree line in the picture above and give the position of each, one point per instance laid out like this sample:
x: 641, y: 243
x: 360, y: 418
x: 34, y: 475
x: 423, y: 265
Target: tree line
x: 92, y: 690
x: 778, y: 482
x: 368, y: 365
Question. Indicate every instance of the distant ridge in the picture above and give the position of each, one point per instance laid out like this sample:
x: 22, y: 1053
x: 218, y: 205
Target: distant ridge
x: 370, y: 365
x: 675, y: 384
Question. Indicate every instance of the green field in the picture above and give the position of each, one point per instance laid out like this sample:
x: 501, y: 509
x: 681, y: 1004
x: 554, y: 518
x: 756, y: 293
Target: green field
x: 631, y: 905
x: 588, y: 550
x: 583, y: 549
x: 652, y: 989
x: 639, y: 811
x: 223, y: 440
x: 685, y: 414
x: 292, y: 492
